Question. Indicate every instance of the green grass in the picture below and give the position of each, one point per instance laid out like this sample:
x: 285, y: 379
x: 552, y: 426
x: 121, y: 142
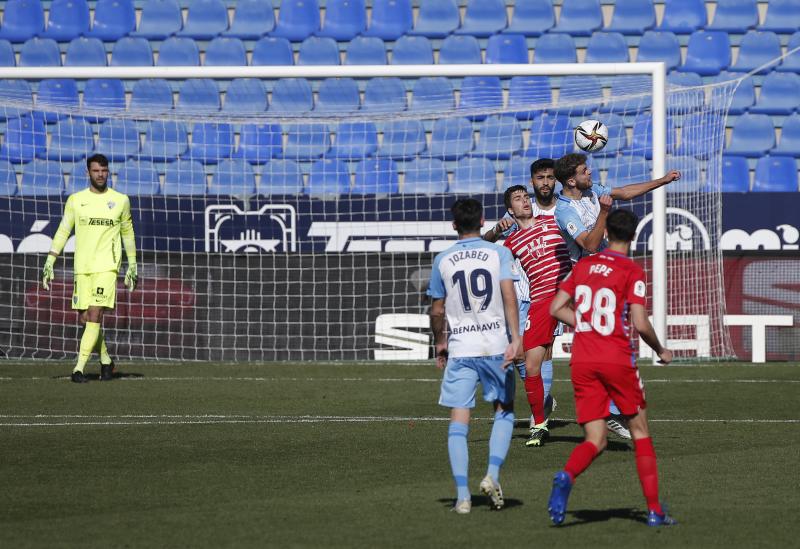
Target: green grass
x: 215, y: 455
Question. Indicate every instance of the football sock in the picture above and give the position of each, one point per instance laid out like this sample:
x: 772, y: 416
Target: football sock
x: 581, y: 457
x: 612, y: 409
x: 535, y: 390
x: 101, y: 348
x: 88, y: 341
x: 499, y: 441
x: 459, y: 457
x: 648, y: 472
x: 547, y: 376
x: 520, y: 366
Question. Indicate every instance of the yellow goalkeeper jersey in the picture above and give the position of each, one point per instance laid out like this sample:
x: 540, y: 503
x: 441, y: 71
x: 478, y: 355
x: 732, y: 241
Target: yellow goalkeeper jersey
x: 102, y: 222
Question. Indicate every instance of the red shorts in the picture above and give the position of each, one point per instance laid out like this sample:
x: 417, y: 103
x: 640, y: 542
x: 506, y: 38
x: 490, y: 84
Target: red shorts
x: 539, y: 326
x: 596, y: 384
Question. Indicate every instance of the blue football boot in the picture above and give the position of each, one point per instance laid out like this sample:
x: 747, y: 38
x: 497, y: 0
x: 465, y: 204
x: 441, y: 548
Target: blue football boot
x: 557, y: 506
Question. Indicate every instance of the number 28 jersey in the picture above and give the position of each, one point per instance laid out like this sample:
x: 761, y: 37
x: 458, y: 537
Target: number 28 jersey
x: 467, y: 276
x: 603, y: 286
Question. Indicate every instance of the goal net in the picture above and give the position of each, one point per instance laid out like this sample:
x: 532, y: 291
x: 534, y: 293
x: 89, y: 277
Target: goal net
x: 292, y: 213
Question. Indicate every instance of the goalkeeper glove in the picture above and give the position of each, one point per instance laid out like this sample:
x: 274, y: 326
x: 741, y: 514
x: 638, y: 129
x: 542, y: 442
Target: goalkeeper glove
x: 47, y: 271
x: 131, y: 276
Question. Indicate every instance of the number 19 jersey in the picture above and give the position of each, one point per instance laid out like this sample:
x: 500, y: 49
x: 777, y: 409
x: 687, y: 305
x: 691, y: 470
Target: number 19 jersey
x: 467, y: 276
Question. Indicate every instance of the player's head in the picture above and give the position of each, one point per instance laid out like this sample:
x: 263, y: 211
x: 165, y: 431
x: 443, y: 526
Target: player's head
x: 621, y: 225
x: 518, y: 201
x: 467, y: 215
x: 573, y: 172
x: 97, y: 166
x: 543, y: 179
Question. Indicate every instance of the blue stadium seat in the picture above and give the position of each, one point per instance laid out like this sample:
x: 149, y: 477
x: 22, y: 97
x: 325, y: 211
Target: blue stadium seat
x: 198, y: 96
x: 318, y: 51
x: 642, y: 137
x: 789, y: 144
x: 132, y: 52
x: 384, y: 95
x: 691, y: 180
x: 690, y: 99
x: 551, y: 136
x: 432, y: 94
x: 756, y: 49
x: 40, y: 52
x: 25, y: 139
x: 525, y: 91
x: 783, y: 16
x: 684, y: 16
x: 159, y: 19
x: 708, y: 53
x: 306, y: 141
x: 337, y: 95
x: 61, y: 93
x: 245, y: 96
x: 412, y: 50
x: 78, y: 180
x: 696, y: 140
x: 298, y: 19
x: 68, y: 19
x: 792, y: 62
x: 660, y: 46
x: 185, y: 178
x: 223, y: 51
x: 233, y: 177
x: 500, y: 138
x: 328, y: 177
x: 480, y: 93
x: 579, y: 17
x: 780, y: 94
x: 532, y: 18
x: 776, y: 174
x: 579, y: 95
x: 118, y: 139
x: 86, y: 52
x: 177, y: 52
x: 138, y: 177
x: 555, y: 48
x: 251, y: 20
x: 70, y: 140
x: 403, y: 139
x: 632, y: 17
x: 506, y: 48
x: 206, y: 19
x: 484, y: 18
x: 366, y: 50
x: 355, y: 140
x: 42, y: 178
x: 281, y: 177
x: 259, y: 143
x: 607, y: 47
x: 630, y: 93
x: 460, y: 50
x: 152, y: 95
x: 7, y: 57
x: 736, y: 16
x: 624, y: 170
x: 474, y: 176
x: 8, y: 179
x: 735, y: 176
x: 425, y: 176
x: 291, y: 95
x: 745, y: 95
x: 272, y: 51
x: 436, y: 18
x: 164, y: 141
x: 451, y: 138
x: 376, y: 176
x: 752, y: 135
x: 18, y: 92
x: 391, y: 19
x: 517, y: 171
x: 211, y: 142
x: 102, y: 95
x: 113, y: 19
x: 344, y: 19
x: 22, y: 20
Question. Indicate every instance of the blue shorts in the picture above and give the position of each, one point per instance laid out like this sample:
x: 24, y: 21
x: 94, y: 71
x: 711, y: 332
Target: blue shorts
x: 461, y: 377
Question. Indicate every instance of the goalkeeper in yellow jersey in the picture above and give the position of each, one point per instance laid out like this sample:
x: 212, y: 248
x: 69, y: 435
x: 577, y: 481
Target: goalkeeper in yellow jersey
x: 102, y: 220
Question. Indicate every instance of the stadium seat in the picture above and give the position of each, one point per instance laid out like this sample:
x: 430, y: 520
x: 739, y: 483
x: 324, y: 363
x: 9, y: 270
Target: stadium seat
x: 624, y: 170
x: 85, y: 52
x: 376, y: 176
x: 178, y: 52
x: 70, y: 140
x: 555, y: 48
x: 164, y: 141
x: 101, y: 95
x: 506, y: 48
x: 328, y: 177
x: 252, y: 19
x: 42, y: 178
x: 735, y: 174
x: 735, y: 16
x: 365, y: 50
x: 403, y: 139
x: 78, y: 180
x: 474, y: 176
x: 607, y: 47
x: 206, y: 19
x: 198, y: 96
x: 7, y: 57
x: 291, y: 95
x: 436, y: 18
x: 791, y: 63
x: 384, y: 95
x: 551, y: 136
x: 524, y: 91
x: 517, y: 171
x: 391, y: 19
x: 632, y: 17
x: 696, y: 140
x: 272, y: 51
x: 579, y: 95
x: 745, y: 95
x: 777, y: 174
x: 708, y: 53
x: 211, y: 142
x: 660, y: 46
x: 184, y: 178
x: 318, y: 51
x: 25, y: 139
x: 344, y: 19
x: 153, y: 95
x: 40, y: 52
x: 451, y: 138
x: 780, y: 94
x: 789, y: 144
x: 684, y: 16
x: 425, y: 176
x: 752, y: 135
x: 245, y: 96
x: 306, y: 141
x: 532, y: 18
x: 484, y: 18
x: 500, y: 138
x: 259, y: 143
x: 297, y: 20
x: 113, y: 19
x: 630, y: 93
x: 68, y: 19
x: 118, y: 139
x: 579, y: 17
x: 691, y: 180
x: 159, y: 19
x: 61, y: 93
x: 480, y: 93
x: 460, y: 50
x: 137, y: 177
x: 432, y: 94
x: 690, y: 99
x: 783, y: 16
x: 757, y: 49
x: 8, y: 179
x: 281, y: 177
x: 223, y: 51
x: 412, y: 50
x: 233, y: 177
x: 642, y: 136
x: 22, y: 20
x: 337, y: 95
x: 132, y: 52
x: 18, y: 92
x: 354, y: 140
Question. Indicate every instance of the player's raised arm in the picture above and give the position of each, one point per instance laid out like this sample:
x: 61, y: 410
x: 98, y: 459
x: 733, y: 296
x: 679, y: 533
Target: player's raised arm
x: 129, y: 242
x: 592, y: 240
x: 645, y: 329
x: 629, y: 192
x: 493, y: 234
x: 59, y: 241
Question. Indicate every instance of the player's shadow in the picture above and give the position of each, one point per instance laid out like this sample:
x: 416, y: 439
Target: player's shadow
x: 587, y: 516
x: 482, y: 501
x: 96, y: 377
x: 613, y: 445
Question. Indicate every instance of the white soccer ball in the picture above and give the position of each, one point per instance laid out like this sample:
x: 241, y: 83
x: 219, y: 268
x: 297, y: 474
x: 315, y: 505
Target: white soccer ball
x: 591, y: 135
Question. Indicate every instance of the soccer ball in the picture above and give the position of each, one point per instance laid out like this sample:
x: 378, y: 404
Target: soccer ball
x: 591, y: 135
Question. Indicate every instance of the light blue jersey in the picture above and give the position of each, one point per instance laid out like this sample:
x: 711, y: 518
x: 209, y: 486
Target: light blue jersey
x: 578, y: 216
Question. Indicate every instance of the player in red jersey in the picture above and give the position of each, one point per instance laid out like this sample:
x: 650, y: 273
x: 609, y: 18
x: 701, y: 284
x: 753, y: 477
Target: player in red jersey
x: 597, y: 298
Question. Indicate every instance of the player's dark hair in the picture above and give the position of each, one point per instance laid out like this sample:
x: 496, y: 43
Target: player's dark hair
x: 97, y: 159
x: 541, y: 165
x: 511, y: 190
x: 621, y: 225
x: 467, y: 214
x: 566, y: 166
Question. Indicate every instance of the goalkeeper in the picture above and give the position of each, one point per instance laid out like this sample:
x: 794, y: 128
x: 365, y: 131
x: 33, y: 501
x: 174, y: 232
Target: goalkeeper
x: 100, y: 216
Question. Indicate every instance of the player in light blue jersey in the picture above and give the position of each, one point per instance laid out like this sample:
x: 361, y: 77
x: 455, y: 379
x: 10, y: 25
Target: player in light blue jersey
x: 472, y: 285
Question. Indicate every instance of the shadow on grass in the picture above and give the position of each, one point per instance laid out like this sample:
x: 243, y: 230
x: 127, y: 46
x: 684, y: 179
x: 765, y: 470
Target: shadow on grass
x: 482, y: 501
x: 587, y: 516
x: 96, y: 377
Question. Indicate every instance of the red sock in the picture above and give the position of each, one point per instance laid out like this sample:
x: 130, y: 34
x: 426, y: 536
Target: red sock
x: 580, y: 458
x: 648, y: 472
x: 534, y: 387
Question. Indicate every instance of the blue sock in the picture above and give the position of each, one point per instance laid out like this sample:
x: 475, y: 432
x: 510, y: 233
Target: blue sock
x: 521, y: 369
x: 547, y: 376
x: 612, y: 409
x: 499, y: 441
x: 459, y: 457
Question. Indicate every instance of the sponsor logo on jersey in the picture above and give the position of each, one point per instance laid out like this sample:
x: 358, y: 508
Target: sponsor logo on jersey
x: 111, y: 204
x: 101, y: 221
x: 572, y: 228
x: 639, y: 288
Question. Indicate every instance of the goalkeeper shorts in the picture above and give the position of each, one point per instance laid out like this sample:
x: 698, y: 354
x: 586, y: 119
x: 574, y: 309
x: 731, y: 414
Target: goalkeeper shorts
x: 94, y: 290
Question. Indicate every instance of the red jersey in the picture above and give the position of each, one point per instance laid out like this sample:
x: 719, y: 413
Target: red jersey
x: 603, y: 287
x: 543, y: 254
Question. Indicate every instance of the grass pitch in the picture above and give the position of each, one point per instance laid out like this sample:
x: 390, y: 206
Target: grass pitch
x: 354, y: 455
